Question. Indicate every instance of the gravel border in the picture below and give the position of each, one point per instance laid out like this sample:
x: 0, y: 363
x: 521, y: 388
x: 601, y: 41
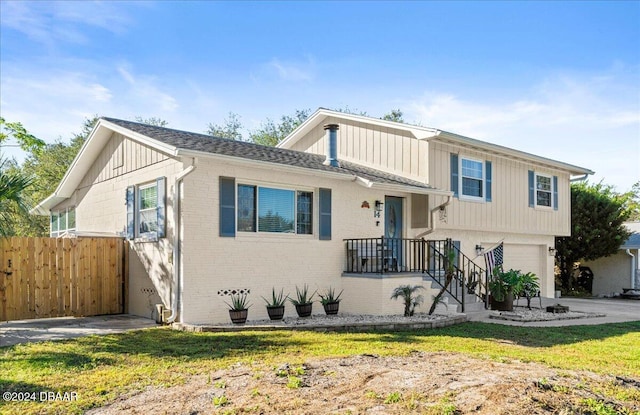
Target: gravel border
x: 523, y: 314
x: 341, y: 322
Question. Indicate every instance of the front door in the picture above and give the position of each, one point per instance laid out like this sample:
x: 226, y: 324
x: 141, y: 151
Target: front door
x: 393, y: 223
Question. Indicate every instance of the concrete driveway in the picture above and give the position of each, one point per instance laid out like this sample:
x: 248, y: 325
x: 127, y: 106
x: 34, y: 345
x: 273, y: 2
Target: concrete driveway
x: 616, y: 310
x: 24, y: 331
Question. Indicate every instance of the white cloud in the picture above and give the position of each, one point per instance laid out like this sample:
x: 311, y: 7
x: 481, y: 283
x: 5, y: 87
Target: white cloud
x: 144, y: 88
x: 51, y: 22
x: 589, y: 121
x: 291, y: 71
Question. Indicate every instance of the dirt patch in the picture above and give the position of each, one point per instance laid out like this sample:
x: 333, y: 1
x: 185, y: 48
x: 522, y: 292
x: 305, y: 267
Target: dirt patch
x: 365, y: 384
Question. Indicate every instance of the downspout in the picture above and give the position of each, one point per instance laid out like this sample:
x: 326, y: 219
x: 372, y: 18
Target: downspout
x: 433, y: 219
x: 177, y: 274
x: 633, y: 269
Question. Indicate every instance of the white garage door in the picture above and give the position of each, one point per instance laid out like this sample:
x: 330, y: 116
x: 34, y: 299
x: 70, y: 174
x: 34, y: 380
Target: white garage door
x: 526, y: 258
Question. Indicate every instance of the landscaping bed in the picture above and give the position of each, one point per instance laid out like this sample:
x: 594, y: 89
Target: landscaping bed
x: 523, y: 314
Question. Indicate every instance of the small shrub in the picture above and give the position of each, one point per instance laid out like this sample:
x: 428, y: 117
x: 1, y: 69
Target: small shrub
x: 294, y: 382
x: 409, y: 297
x: 220, y: 400
x: 393, y: 397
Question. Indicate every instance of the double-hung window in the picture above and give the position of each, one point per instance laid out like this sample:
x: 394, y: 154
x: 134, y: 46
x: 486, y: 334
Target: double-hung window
x: 274, y: 210
x: 146, y: 210
x: 544, y: 190
x: 472, y: 178
x: 147, y: 207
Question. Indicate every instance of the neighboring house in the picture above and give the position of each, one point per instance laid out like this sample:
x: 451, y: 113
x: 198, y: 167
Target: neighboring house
x: 621, y: 270
x: 209, y: 216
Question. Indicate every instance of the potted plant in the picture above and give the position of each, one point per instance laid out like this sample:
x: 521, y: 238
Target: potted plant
x: 303, y: 301
x: 239, y: 308
x: 502, y: 286
x: 330, y: 301
x: 275, y: 306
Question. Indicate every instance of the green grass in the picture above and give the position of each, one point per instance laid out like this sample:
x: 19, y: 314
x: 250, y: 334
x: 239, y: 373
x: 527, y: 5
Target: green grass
x: 101, y: 368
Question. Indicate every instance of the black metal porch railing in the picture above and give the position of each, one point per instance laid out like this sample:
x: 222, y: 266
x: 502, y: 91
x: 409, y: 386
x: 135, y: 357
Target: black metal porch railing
x: 391, y: 255
x: 468, y: 277
x: 384, y: 255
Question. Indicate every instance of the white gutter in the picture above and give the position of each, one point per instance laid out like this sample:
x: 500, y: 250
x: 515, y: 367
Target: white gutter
x: 633, y: 269
x: 579, y: 179
x: 433, y: 219
x: 177, y: 272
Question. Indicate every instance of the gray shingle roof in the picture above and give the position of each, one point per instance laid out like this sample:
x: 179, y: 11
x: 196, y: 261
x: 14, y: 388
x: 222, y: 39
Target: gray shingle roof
x: 205, y: 143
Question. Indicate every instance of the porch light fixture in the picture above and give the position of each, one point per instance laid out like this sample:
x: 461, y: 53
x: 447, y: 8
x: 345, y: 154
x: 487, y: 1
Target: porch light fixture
x: 552, y: 251
x: 377, y: 209
x: 365, y: 205
x: 479, y: 249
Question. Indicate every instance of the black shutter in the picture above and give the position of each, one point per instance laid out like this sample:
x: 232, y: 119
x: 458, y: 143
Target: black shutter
x: 227, y: 206
x: 454, y: 174
x: 325, y: 215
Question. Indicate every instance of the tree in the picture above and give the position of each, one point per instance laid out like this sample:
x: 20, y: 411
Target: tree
x: 633, y: 202
x: 13, y: 185
x: 355, y: 111
x: 158, y: 122
x: 394, y: 115
x: 270, y: 133
x: 448, y: 256
x: 47, y: 167
x: 25, y: 140
x: 231, y: 129
x: 597, y: 230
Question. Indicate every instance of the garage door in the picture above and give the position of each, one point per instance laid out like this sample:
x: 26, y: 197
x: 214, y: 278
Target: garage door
x: 526, y: 258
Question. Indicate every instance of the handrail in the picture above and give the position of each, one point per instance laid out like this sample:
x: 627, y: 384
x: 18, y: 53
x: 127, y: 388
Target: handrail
x: 468, y: 276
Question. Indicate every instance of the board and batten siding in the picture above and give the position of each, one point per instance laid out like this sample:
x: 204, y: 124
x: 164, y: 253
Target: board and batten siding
x: 387, y: 149
x: 121, y: 156
x: 509, y: 209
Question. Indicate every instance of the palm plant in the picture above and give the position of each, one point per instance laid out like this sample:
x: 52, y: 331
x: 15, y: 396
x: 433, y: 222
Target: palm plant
x: 12, y: 186
x: 409, y: 297
x: 530, y: 287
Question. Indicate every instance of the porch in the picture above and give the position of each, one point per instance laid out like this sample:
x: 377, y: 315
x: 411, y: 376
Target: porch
x: 418, y: 261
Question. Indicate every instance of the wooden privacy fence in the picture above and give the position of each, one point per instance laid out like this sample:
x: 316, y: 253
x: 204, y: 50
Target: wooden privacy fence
x: 56, y: 277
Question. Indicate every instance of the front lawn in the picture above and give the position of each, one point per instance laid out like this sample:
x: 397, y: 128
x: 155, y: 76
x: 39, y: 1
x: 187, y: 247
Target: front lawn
x: 102, y: 368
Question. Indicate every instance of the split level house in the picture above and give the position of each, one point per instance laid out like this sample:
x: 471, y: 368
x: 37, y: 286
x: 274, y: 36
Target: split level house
x: 346, y: 201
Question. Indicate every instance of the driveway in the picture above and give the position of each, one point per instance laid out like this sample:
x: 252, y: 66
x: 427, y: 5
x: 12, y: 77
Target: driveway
x: 23, y: 331
x: 616, y: 310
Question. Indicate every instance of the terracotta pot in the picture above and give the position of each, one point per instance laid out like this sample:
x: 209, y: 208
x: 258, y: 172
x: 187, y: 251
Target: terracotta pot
x: 331, y: 308
x: 238, y: 316
x: 304, y: 310
x: 275, y: 312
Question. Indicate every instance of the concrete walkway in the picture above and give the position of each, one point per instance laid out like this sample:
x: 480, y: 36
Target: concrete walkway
x: 23, y: 331
x: 615, y: 310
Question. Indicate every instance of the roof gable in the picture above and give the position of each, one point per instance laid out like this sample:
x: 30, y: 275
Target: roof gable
x: 178, y: 143
x: 427, y: 133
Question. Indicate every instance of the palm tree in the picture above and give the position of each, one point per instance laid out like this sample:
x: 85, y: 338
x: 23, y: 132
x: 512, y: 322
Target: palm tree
x: 12, y: 185
x: 408, y: 295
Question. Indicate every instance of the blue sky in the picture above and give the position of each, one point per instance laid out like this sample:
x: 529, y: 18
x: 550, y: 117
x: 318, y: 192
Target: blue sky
x: 558, y: 79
